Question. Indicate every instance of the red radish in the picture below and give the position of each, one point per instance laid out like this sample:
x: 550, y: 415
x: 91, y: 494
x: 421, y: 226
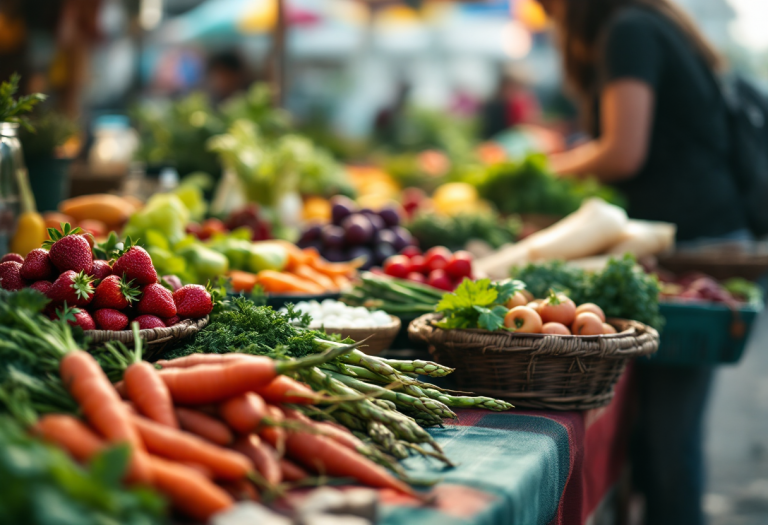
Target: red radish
x: 438, y: 279
x: 437, y: 258
x: 397, y: 266
x: 460, y: 265
x: 37, y: 266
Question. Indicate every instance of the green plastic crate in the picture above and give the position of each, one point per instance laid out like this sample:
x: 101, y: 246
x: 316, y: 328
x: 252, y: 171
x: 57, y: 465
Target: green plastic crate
x: 709, y: 334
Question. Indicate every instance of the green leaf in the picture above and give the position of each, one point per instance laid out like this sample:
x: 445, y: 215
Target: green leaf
x: 491, y: 319
x: 508, y: 288
x: 109, y: 466
x: 469, y: 294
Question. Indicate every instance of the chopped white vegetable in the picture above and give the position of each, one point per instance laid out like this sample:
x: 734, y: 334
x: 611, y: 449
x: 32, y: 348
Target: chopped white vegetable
x: 335, y: 314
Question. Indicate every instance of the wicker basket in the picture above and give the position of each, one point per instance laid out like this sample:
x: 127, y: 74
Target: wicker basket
x: 536, y: 370
x: 155, y: 339
x: 381, y: 336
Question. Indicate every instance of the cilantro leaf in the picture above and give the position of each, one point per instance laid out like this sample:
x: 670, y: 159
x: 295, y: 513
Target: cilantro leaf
x: 491, y: 319
x: 469, y: 294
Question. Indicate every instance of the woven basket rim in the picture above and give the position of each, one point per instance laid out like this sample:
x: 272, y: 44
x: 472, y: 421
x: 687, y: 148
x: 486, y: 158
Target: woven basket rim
x: 180, y: 330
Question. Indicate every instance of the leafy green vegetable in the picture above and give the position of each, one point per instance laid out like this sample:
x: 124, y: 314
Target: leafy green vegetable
x: 41, y: 485
x: 621, y: 289
x: 432, y: 229
x: 477, y: 304
x: 528, y: 186
x: 744, y: 290
x: 252, y: 329
x: 14, y: 109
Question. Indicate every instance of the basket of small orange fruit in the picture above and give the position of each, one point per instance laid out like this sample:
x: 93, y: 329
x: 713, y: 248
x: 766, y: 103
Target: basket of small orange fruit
x: 540, y: 353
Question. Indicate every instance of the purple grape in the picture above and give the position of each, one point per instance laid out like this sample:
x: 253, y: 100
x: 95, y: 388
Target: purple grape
x: 403, y: 238
x: 390, y: 216
x: 382, y: 252
x: 312, y: 233
x: 385, y: 237
x: 333, y: 236
x: 341, y: 208
x: 361, y: 251
x: 368, y: 212
x: 334, y: 255
x: 377, y: 222
x: 316, y: 244
x: 358, y: 229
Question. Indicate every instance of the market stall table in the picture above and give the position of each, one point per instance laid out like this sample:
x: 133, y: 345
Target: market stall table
x: 525, y: 467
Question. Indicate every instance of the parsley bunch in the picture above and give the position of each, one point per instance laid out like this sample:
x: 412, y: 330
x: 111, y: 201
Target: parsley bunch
x: 477, y: 304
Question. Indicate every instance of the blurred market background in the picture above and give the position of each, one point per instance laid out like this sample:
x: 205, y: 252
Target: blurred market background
x: 367, y: 98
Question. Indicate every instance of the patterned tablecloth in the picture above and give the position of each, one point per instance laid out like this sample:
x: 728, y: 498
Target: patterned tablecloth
x: 523, y: 467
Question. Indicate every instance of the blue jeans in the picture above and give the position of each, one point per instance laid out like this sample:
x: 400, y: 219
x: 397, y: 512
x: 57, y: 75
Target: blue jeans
x: 668, y: 462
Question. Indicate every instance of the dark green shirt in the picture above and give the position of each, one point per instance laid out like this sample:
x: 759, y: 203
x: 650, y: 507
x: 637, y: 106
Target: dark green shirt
x: 686, y: 178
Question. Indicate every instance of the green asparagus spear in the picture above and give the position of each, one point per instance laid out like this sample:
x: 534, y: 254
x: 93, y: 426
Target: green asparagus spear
x: 468, y: 402
x: 386, y: 439
x: 424, y: 368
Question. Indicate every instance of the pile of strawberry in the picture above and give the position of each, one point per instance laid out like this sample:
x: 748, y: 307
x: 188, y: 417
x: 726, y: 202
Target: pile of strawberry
x: 99, y: 294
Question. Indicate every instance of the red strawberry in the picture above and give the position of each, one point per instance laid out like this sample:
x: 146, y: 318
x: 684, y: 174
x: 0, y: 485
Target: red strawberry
x: 173, y: 281
x: 156, y: 300
x: 69, y: 250
x: 76, y: 317
x: 170, y: 321
x: 114, y: 292
x: 136, y: 264
x: 74, y: 288
x: 147, y: 322
x: 37, y: 266
x: 101, y: 269
x: 193, y: 301
x: 12, y: 257
x: 42, y: 286
x: 109, y: 319
x: 10, y: 276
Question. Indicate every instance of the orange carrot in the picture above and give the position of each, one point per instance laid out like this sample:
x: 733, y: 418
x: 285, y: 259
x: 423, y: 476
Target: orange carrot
x: 342, y: 282
x: 291, y: 471
x: 80, y: 441
x: 101, y: 405
x: 326, y: 456
x: 204, y: 426
x: 340, y: 434
x: 120, y: 387
x: 331, y: 269
x: 191, y: 493
x: 283, y: 389
x: 202, y: 359
x: 149, y: 393
x: 202, y: 469
x: 274, y: 435
x: 214, y: 383
x: 296, y: 257
x: 182, y: 446
x: 283, y: 282
x: 244, y: 412
x: 263, y: 456
x: 71, y: 434
x: 242, y: 281
x: 310, y: 274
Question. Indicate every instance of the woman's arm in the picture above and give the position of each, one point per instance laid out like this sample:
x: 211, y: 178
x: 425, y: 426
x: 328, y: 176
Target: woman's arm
x: 626, y: 119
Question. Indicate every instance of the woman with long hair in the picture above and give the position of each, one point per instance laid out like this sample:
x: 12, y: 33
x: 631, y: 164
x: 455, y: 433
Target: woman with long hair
x: 645, y: 79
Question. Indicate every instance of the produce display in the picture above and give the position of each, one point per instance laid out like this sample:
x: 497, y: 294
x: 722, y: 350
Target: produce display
x: 102, y: 294
x: 698, y: 288
x: 248, y: 217
x: 356, y: 233
x: 406, y: 299
x: 437, y: 267
x: 455, y: 231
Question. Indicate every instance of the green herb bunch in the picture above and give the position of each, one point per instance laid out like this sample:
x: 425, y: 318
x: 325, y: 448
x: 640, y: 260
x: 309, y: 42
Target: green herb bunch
x: 14, y: 109
x: 477, y: 304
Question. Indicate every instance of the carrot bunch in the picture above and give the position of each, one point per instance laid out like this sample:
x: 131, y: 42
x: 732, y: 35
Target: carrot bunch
x: 306, y: 272
x: 208, y: 429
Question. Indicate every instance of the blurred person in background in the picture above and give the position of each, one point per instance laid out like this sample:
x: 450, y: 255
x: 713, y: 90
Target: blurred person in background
x: 385, y: 126
x: 513, y: 104
x: 227, y: 75
x: 643, y: 74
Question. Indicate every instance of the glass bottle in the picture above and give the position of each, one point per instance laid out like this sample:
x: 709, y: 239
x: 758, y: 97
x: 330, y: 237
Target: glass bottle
x: 11, y: 168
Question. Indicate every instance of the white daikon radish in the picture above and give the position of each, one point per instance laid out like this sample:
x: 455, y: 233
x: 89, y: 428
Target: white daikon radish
x: 497, y: 265
x: 590, y: 264
x: 643, y: 238
x: 590, y: 230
